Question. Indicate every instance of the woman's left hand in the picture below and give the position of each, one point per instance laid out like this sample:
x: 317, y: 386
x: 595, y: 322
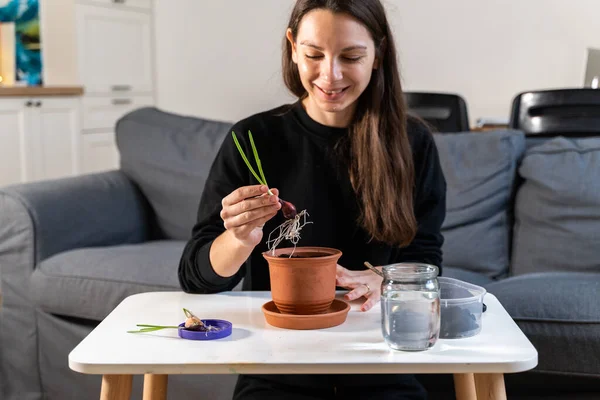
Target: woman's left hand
x: 361, y: 284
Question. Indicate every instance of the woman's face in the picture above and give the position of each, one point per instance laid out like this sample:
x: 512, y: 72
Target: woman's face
x: 335, y: 55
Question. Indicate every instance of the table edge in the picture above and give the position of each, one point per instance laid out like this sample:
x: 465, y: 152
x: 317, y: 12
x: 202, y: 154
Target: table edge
x: 359, y: 368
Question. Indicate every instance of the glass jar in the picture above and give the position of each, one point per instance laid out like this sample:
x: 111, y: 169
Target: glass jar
x: 410, y: 306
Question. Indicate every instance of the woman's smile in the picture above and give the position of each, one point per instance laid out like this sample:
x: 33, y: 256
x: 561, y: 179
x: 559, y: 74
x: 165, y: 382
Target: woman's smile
x: 331, y: 94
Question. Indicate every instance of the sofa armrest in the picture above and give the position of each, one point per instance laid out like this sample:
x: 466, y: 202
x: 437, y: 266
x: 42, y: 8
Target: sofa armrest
x: 49, y: 217
x: 558, y: 311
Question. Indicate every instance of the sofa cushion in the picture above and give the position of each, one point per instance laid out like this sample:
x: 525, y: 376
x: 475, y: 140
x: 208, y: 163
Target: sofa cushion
x: 480, y: 170
x: 169, y: 156
x: 557, y: 208
x: 89, y: 283
x: 558, y: 312
x: 467, y: 276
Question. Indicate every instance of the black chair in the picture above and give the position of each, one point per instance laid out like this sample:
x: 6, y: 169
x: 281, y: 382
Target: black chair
x: 445, y: 112
x: 564, y: 112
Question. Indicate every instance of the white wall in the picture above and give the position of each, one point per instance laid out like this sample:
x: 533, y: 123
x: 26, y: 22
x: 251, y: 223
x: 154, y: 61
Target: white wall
x: 59, y: 43
x: 221, y: 59
x: 490, y: 50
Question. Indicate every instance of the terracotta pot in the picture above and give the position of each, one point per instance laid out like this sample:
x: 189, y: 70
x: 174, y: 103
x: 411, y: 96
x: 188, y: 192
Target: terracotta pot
x: 305, y: 283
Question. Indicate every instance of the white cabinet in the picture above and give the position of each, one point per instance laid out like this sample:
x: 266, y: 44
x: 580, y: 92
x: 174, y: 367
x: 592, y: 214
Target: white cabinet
x: 121, y: 3
x: 13, y: 142
x: 114, y: 50
x: 99, y: 152
x: 104, y: 112
x: 53, y: 137
x: 39, y: 138
x: 56, y: 134
x: 114, y: 46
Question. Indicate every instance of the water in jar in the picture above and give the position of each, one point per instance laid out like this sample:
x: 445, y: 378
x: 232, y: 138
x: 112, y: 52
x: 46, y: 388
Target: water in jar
x: 410, y: 319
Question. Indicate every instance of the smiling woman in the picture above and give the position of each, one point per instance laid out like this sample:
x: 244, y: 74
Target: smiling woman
x: 335, y: 57
x: 340, y: 60
x: 346, y: 152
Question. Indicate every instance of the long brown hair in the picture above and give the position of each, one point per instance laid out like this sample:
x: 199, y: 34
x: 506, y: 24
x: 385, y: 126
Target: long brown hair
x: 377, y: 149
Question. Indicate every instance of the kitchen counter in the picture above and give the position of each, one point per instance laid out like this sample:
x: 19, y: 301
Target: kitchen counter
x: 15, y: 91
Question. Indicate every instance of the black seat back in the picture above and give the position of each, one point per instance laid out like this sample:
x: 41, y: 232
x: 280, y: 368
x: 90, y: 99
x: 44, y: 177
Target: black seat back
x: 445, y: 112
x: 565, y: 112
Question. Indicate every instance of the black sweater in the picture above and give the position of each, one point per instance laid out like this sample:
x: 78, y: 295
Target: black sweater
x: 297, y: 158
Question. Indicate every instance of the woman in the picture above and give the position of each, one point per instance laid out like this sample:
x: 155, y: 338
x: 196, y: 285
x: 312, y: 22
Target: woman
x: 346, y: 152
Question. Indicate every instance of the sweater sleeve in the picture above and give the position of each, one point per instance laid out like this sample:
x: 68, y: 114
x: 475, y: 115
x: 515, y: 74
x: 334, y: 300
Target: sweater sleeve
x: 429, y: 205
x: 228, y: 172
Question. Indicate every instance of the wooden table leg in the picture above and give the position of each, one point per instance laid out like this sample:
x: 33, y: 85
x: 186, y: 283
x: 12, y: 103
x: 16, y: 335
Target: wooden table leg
x: 155, y: 387
x: 116, y: 387
x: 490, y: 386
x: 464, y: 386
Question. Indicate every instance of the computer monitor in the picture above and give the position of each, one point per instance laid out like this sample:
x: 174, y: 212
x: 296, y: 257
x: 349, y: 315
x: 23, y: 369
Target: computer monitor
x: 592, y: 69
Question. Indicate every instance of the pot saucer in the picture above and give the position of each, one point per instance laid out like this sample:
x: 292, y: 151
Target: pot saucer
x: 335, y: 315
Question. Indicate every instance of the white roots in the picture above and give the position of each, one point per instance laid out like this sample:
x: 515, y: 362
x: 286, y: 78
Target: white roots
x: 289, y: 230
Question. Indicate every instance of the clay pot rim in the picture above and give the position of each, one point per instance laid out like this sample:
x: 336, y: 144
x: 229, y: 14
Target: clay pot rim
x: 340, y: 306
x: 333, y: 253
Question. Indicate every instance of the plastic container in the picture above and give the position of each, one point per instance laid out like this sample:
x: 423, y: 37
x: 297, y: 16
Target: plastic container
x: 461, y: 306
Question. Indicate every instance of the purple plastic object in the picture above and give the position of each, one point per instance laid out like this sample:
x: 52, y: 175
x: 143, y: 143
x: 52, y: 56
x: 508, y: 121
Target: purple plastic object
x: 224, y: 330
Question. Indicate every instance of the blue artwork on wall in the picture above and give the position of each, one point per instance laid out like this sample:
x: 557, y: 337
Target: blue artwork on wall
x: 28, y: 49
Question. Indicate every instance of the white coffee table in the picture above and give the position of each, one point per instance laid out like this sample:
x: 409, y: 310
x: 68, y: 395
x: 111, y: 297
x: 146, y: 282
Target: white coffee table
x: 356, y: 346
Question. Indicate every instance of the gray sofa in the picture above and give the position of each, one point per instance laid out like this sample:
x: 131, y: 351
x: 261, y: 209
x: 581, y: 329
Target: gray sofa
x: 523, y: 220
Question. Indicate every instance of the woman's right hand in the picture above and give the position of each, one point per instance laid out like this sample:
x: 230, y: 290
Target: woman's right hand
x: 246, y: 210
